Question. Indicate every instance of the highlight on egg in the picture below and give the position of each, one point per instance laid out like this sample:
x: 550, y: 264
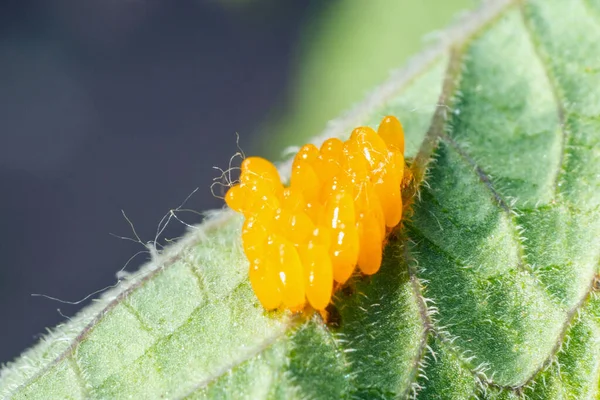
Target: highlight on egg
x: 342, y: 202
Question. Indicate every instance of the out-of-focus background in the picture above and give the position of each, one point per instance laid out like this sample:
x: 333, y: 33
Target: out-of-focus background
x: 110, y: 105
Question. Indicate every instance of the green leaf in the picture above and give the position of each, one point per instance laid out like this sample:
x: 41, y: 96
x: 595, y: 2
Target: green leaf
x: 490, y: 290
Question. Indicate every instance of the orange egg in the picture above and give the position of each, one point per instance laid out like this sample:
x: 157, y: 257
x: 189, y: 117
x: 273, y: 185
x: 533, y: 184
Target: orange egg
x: 339, y: 219
x: 308, y: 152
x: 305, y: 179
x: 354, y: 163
x: 372, y: 147
x: 327, y: 168
x: 318, y: 274
x: 387, y: 188
x: 266, y: 204
x: 392, y: 133
x: 396, y: 160
x: 283, y: 257
x: 254, y: 237
x: 297, y: 227
x: 249, y: 197
x: 261, y: 177
x: 235, y: 198
x: 344, y: 250
x: 313, y: 209
x: 293, y: 199
x: 371, y: 243
x: 368, y: 203
x: 332, y: 149
x: 265, y: 283
x: 254, y: 168
x: 339, y: 209
x: 335, y: 185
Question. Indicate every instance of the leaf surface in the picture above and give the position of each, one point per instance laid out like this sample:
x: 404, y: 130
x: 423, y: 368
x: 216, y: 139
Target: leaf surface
x: 489, y: 290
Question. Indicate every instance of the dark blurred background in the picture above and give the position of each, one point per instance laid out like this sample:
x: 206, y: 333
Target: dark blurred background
x: 110, y: 105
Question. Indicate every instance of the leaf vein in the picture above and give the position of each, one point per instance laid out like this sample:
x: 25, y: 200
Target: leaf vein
x: 138, y: 318
x: 427, y: 326
x: 265, y: 345
x: 570, y: 316
x: 560, y: 110
x: 81, y: 378
x: 487, y: 181
x: 419, y: 166
x: 169, y: 260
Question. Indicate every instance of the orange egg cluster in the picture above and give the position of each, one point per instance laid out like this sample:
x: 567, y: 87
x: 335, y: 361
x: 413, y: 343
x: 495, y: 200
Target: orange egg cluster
x: 342, y: 201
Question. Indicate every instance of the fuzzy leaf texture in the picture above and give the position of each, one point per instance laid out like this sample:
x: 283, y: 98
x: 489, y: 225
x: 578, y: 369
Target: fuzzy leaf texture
x: 490, y: 290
